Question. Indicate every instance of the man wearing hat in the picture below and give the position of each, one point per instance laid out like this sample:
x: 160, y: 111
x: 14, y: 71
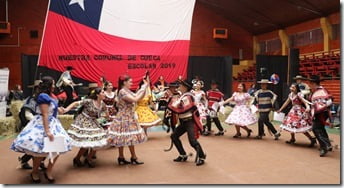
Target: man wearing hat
x: 189, y: 120
x: 305, y: 90
x: 171, y: 118
x: 27, y: 113
x: 213, y: 95
x: 265, y: 99
x: 321, y: 100
x: 66, y: 82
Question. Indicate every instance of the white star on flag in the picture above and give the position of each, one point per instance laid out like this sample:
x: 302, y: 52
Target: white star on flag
x: 80, y: 2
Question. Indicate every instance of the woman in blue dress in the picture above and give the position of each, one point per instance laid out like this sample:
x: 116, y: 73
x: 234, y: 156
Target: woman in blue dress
x: 45, y: 124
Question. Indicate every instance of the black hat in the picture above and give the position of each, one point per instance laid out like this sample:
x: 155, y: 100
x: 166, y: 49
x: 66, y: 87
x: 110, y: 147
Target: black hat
x: 315, y: 78
x: 173, y: 84
x: 214, y: 82
x: 69, y: 68
x: 186, y: 83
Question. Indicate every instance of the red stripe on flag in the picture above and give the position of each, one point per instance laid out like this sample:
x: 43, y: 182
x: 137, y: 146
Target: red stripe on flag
x: 94, y: 54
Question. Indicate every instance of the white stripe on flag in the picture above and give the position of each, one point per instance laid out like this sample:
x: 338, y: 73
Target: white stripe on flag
x: 149, y: 20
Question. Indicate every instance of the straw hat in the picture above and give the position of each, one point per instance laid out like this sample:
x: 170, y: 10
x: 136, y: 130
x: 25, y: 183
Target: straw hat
x: 299, y: 77
x: 35, y: 84
x: 264, y: 81
x: 92, y: 85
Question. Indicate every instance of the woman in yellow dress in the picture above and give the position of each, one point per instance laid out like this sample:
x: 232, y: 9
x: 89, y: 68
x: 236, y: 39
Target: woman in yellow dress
x: 145, y: 115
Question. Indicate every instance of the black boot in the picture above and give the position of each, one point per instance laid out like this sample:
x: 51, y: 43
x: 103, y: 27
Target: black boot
x: 323, y: 152
x: 313, y: 142
x: 26, y: 166
x: 200, y: 161
x: 181, y: 158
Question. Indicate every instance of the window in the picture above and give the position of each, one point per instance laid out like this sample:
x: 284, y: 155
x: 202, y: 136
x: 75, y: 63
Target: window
x: 305, y: 38
x: 273, y: 45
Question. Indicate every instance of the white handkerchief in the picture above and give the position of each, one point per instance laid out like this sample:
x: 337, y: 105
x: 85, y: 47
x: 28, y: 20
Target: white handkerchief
x: 253, y: 108
x: 222, y: 110
x: 215, y: 106
x: 58, y: 145
x: 279, y: 116
x: 54, y: 147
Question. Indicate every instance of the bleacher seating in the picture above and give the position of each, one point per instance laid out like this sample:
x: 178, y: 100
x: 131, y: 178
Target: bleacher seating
x: 248, y: 74
x: 325, y: 64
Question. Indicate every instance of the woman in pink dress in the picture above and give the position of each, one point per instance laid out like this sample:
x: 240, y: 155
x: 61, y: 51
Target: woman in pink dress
x: 298, y: 119
x: 241, y: 115
x: 125, y: 130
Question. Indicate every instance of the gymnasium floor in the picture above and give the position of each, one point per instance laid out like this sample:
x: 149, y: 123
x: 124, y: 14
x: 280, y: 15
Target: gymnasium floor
x: 229, y: 161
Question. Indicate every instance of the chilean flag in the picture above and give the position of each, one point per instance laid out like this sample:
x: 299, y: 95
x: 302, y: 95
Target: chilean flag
x: 114, y: 37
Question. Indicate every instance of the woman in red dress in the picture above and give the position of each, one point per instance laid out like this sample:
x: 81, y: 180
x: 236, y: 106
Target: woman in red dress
x: 298, y: 119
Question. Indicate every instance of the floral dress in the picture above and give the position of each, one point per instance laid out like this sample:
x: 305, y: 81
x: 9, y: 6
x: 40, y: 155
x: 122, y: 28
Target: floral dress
x: 31, y: 139
x: 86, y: 132
x: 297, y: 120
x: 201, y: 104
x: 109, y: 100
x: 145, y: 115
x: 241, y: 114
x: 125, y: 129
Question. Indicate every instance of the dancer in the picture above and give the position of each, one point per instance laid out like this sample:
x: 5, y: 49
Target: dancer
x: 213, y: 95
x: 265, y: 99
x: 298, y: 119
x: 145, y: 116
x: 321, y: 101
x: 125, y: 130
x: 200, y: 99
x: 304, y: 88
x: 189, y: 122
x: 241, y: 115
x: 110, y: 98
x: 86, y: 132
x: 67, y: 83
x: 31, y: 139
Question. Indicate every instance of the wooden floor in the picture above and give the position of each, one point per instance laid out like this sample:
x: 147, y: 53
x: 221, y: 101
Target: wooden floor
x: 229, y: 161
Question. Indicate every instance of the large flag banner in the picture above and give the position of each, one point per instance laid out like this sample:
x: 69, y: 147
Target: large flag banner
x: 113, y: 37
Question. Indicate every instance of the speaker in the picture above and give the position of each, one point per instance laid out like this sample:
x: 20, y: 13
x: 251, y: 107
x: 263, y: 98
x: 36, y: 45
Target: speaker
x: 33, y: 34
x: 220, y: 33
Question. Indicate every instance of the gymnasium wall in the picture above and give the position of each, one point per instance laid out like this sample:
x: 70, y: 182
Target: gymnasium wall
x: 24, y: 16
x: 305, y: 26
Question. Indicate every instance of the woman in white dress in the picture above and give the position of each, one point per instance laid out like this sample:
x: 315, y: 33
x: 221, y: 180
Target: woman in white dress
x: 44, y: 125
x: 200, y: 100
x: 241, y: 115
